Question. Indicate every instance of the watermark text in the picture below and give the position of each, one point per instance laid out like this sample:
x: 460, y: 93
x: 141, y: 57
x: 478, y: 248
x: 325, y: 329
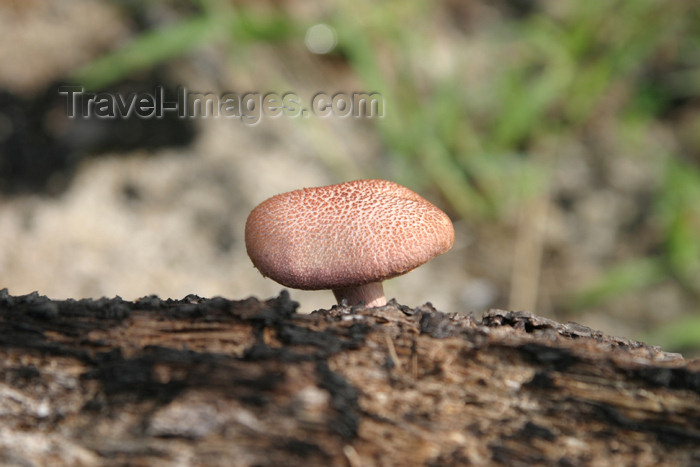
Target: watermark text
x: 248, y: 107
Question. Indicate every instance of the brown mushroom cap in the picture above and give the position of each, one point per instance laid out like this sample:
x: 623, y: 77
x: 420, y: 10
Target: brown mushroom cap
x: 345, y: 235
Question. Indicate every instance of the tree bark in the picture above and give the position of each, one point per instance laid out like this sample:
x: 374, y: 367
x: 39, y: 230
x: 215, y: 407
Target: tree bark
x: 211, y: 382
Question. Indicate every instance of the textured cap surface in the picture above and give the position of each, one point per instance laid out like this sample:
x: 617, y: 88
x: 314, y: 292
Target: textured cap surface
x: 345, y: 235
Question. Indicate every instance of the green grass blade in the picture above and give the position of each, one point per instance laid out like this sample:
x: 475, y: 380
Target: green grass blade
x: 146, y: 51
x: 620, y: 279
x: 678, y: 335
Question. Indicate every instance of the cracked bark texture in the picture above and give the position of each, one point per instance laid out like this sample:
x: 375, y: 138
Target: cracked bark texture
x: 211, y: 382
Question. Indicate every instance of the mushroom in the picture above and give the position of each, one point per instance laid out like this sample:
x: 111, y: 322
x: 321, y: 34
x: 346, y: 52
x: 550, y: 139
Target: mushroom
x: 347, y: 237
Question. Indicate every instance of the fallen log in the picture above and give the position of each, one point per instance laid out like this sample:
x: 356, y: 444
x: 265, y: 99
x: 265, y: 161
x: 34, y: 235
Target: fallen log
x: 212, y: 382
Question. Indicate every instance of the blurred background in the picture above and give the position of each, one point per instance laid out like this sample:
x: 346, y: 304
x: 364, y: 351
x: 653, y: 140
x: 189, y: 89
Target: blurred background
x: 562, y: 138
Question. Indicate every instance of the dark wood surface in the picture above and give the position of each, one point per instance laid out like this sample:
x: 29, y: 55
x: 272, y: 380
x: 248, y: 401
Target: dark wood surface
x: 214, y: 382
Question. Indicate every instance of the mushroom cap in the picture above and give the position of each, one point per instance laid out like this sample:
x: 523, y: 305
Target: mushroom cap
x: 345, y: 235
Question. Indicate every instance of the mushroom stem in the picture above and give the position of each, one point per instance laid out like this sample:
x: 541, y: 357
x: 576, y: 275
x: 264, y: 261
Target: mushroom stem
x: 372, y: 295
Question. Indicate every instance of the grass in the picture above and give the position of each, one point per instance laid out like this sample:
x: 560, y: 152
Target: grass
x: 216, y: 23
x: 491, y: 145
